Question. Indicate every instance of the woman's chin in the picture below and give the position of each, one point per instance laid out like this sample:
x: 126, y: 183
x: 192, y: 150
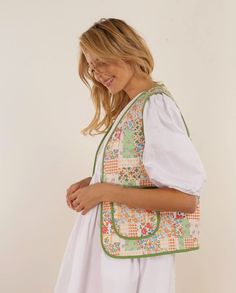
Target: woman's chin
x: 111, y: 90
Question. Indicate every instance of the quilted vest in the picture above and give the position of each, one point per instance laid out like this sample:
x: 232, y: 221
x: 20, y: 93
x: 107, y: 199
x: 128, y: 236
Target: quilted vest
x: 136, y: 232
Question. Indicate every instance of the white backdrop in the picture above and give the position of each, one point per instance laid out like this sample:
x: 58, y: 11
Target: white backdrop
x: 44, y: 105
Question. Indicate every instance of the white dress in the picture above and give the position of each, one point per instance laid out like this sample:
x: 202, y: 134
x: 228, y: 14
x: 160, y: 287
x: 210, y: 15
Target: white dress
x: 170, y: 159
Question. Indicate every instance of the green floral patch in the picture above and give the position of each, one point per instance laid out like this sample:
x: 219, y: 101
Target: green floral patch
x: 186, y: 225
x: 130, y: 245
x: 181, y: 243
x: 128, y: 144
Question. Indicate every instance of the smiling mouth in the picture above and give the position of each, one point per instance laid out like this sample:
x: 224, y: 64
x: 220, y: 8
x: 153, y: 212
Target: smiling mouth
x: 109, y: 81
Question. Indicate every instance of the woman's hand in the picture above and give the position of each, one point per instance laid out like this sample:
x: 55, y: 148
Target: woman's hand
x: 82, y: 183
x: 85, y: 198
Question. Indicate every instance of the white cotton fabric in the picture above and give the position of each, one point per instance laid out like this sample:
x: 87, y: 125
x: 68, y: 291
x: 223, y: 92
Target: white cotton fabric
x: 170, y: 160
x: 170, y: 157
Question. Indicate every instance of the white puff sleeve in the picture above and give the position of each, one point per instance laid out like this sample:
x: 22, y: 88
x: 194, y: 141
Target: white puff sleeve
x: 170, y: 159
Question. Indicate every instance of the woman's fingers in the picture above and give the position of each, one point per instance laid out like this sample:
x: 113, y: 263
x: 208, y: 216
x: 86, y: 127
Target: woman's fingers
x: 79, y: 208
x: 74, y: 187
x: 69, y: 200
x: 68, y: 203
x: 82, y: 183
x: 70, y: 190
x: 71, y: 196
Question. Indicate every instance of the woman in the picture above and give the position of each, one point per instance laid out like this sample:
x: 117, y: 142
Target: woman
x: 117, y: 61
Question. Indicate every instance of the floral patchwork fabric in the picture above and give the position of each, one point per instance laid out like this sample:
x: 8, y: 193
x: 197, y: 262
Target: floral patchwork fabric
x: 136, y: 232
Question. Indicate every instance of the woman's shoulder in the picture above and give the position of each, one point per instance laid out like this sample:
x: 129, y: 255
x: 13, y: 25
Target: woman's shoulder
x: 161, y: 100
x: 162, y: 109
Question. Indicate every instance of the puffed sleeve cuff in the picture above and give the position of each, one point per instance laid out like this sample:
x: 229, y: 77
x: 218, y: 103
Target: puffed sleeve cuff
x: 170, y: 158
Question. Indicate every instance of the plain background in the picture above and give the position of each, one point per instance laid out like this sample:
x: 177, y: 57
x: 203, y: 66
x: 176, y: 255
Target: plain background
x: 44, y: 105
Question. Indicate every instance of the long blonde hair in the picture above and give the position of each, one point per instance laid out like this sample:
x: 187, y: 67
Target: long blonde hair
x: 111, y: 39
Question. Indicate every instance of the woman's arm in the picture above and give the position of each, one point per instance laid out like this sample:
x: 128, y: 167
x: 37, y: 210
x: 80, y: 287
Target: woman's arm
x: 161, y: 199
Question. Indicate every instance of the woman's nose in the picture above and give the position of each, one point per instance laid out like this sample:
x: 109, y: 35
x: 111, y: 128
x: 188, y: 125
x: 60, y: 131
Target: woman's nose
x: 99, y: 75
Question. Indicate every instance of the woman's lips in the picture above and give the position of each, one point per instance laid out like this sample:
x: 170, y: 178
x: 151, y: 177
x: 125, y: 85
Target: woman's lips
x: 109, y: 81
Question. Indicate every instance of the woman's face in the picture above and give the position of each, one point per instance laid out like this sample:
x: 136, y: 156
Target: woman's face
x: 115, y: 76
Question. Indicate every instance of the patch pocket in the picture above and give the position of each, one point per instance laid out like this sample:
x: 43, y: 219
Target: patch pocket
x: 134, y: 223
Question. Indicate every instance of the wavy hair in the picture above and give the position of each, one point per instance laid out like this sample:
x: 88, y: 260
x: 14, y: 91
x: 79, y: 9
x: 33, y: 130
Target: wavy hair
x: 111, y: 39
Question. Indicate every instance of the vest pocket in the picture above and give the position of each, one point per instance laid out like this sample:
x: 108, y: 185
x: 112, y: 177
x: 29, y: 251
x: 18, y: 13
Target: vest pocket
x: 134, y: 223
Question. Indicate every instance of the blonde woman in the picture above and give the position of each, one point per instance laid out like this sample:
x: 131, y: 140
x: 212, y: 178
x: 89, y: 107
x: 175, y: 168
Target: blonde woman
x: 141, y: 204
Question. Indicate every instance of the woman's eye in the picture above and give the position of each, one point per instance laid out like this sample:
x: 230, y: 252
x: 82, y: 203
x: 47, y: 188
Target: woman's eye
x: 99, y: 65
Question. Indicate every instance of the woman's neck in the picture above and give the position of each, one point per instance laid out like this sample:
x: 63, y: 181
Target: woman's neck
x: 137, y: 86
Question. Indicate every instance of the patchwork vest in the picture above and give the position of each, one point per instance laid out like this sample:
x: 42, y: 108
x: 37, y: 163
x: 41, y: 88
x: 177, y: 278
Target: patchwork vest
x: 136, y: 232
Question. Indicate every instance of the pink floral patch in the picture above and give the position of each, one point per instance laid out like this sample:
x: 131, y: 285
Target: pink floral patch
x: 148, y: 225
x: 144, y: 231
x: 104, y: 229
